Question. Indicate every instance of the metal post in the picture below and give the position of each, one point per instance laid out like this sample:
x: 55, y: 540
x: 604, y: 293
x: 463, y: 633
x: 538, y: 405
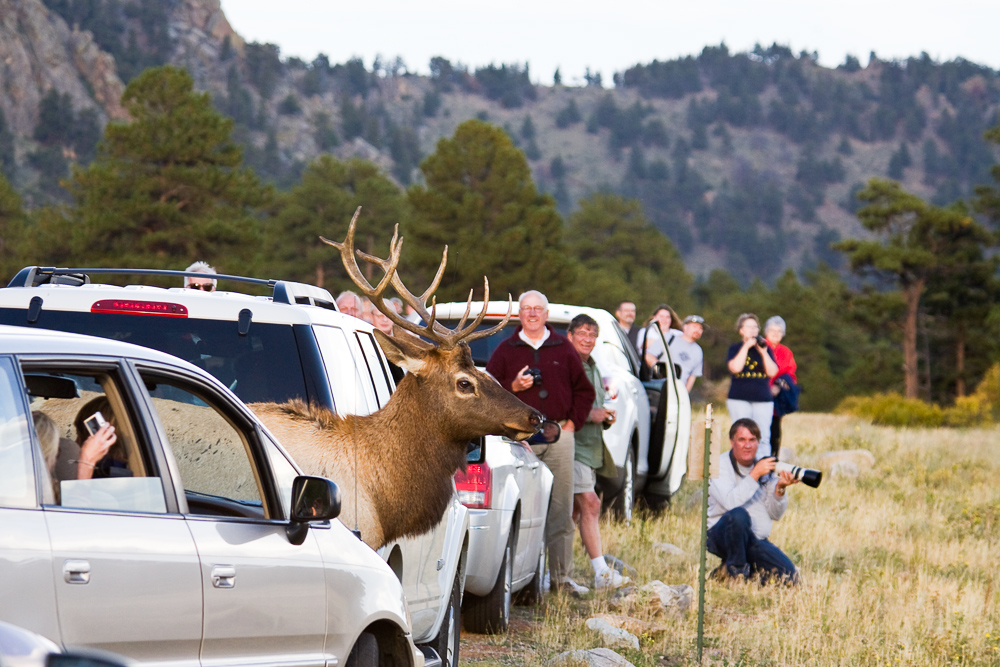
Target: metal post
x: 704, y: 529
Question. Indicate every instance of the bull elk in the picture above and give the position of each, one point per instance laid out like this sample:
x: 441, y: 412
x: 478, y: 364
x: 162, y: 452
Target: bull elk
x: 395, y: 466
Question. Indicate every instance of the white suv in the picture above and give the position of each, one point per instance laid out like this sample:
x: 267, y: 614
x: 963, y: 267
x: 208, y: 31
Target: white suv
x: 293, y: 343
x: 649, y: 440
x: 176, y: 552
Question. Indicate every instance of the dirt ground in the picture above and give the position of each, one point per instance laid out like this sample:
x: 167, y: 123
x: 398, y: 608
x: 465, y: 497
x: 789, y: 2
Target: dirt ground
x: 516, y: 647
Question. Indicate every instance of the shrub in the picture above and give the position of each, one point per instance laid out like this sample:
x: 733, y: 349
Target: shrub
x: 893, y: 410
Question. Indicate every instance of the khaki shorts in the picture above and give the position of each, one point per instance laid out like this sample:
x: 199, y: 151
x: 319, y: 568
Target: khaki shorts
x: 584, y: 478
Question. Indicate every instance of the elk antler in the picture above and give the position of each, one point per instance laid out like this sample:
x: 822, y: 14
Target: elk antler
x: 433, y: 330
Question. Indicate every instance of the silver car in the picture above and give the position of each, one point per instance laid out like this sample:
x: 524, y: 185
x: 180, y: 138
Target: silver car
x: 508, y: 499
x: 291, y: 343
x: 193, y: 540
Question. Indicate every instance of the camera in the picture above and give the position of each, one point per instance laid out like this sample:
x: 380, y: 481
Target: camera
x: 807, y: 476
x: 536, y: 375
x: 94, y: 422
x: 761, y: 341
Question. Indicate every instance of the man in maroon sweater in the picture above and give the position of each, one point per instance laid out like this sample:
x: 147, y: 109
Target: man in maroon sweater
x: 544, y: 371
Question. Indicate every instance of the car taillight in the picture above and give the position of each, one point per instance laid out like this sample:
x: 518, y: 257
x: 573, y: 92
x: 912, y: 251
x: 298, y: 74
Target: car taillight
x: 474, y: 486
x: 133, y: 307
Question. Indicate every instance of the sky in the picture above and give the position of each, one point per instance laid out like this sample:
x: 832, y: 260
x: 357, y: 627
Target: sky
x: 610, y: 37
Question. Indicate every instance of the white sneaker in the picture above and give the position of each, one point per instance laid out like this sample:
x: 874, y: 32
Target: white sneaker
x: 573, y: 588
x: 609, y: 580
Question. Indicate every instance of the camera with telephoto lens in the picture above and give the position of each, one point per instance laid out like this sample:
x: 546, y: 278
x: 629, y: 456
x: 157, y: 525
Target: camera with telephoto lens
x: 807, y: 476
x: 535, y: 373
x: 761, y: 341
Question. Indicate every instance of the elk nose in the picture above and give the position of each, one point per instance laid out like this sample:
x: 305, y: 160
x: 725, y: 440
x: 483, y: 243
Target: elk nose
x: 536, y: 419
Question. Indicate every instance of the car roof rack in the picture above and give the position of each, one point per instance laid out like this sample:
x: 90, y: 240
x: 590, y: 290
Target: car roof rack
x: 282, y: 291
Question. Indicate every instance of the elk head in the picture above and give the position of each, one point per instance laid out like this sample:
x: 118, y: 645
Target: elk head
x: 441, y: 379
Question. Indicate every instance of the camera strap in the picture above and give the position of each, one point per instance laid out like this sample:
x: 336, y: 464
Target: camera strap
x: 764, y: 479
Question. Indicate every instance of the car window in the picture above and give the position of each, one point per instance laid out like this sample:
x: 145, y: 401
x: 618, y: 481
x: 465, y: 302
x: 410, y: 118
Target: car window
x: 379, y: 373
x: 613, y: 354
x: 350, y: 390
x: 17, y: 483
x: 284, y: 475
x: 89, y: 468
x: 214, y: 456
x: 262, y: 366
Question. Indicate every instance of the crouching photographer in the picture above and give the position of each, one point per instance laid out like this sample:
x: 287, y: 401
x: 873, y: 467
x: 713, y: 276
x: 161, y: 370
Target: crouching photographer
x: 743, y: 502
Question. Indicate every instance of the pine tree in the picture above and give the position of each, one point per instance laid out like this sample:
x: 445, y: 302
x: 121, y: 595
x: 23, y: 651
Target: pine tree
x: 322, y: 205
x: 481, y: 201
x: 12, y: 231
x: 623, y: 256
x: 914, y: 242
x: 168, y: 187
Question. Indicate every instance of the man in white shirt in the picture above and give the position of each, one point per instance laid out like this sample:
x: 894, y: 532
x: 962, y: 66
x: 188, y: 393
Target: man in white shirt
x: 743, y: 502
x: 685, y: 351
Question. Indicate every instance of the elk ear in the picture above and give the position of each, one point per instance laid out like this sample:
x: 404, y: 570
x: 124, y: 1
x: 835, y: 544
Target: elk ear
x: 404, y: 349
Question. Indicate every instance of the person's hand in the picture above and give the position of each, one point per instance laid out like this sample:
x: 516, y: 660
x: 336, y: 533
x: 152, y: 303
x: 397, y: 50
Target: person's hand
x: 784, y: 479
x: 599, y: 415
x: 523, y: 381
x: 610, y: 418
x: 763, y: 467
x: 569, y: 426
x: 94, y: 449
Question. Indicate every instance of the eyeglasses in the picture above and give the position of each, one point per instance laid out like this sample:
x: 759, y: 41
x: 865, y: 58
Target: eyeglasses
x: 582, y: 333
x: 209, y: 287
x: 538, y: 310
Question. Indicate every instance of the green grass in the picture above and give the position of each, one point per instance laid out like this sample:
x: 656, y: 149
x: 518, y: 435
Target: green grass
x: 898, y: 566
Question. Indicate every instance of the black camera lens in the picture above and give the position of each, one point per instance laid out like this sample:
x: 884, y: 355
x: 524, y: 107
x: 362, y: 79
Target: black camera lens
x: 761, y: 341
x: 536, y: 375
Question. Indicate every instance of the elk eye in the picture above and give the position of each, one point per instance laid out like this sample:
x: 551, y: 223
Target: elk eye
x: 465, y: 386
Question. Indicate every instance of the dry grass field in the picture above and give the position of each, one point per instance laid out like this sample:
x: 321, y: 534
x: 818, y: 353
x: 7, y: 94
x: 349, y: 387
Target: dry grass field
x: 895, y: 565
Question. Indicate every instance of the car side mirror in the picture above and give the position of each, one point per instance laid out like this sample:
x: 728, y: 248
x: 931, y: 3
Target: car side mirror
x: 313, y: 499
x: 476, y: 451
x: 547, y: 434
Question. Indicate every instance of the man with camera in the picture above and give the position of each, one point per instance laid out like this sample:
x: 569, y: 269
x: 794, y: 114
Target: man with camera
x: 544, y: 371
x: 743, y: 502
x: 589, y: 457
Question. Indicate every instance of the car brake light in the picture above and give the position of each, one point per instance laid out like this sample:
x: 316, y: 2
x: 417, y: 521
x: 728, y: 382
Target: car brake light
x: 130, y: 306
x: 473, y: 486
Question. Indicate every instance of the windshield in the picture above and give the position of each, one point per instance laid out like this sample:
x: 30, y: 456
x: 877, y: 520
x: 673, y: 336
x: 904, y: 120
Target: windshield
x: 483, y: 348
x: 262, y: 366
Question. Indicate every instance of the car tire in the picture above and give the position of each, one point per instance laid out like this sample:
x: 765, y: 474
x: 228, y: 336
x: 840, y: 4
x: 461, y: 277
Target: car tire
x: 365, y: 652
x: 623, y: 503
x: 533, y: 593
x: 446, y: 643
x: 490, y: 614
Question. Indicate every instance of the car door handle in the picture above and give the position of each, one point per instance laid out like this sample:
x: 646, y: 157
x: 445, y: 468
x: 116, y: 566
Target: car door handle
x: 518, y: 463
x: 76, y: 571
x: 224, y: 576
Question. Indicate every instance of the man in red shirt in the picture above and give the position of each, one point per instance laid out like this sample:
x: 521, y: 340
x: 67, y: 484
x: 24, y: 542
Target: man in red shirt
x: 544, y: 371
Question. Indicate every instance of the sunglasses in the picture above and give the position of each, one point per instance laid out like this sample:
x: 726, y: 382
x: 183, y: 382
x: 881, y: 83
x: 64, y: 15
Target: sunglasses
x: 207, y: 288
x: 694, y: 319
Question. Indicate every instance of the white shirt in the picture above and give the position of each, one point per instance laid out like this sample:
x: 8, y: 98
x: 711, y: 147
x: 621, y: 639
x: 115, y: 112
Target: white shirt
x: 534, y: 343
x: 731, y: 490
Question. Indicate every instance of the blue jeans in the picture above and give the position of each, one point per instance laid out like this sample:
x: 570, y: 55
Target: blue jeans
x: 732, y: 540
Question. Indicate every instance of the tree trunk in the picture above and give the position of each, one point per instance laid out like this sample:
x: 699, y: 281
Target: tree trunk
x: 960, y: 361
x: 319, y: 275
x: 911, y: 293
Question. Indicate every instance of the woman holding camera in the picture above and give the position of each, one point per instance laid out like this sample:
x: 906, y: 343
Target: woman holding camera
x: 752, y: 366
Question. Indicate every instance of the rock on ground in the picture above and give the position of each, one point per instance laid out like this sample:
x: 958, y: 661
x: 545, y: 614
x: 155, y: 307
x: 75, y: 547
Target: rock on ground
x: 611, y: 636
x: 636, y: 626
x: 669, y: 549
x: 862, y: 459
x: 595, y: 657
x: 658, y: 598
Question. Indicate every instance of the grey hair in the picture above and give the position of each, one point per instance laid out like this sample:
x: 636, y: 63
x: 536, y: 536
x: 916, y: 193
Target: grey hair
x: 776, y: 322
x: 200, y: 267
x: 396, y: 302
x: 348, y: 293
x: 535, y: 293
